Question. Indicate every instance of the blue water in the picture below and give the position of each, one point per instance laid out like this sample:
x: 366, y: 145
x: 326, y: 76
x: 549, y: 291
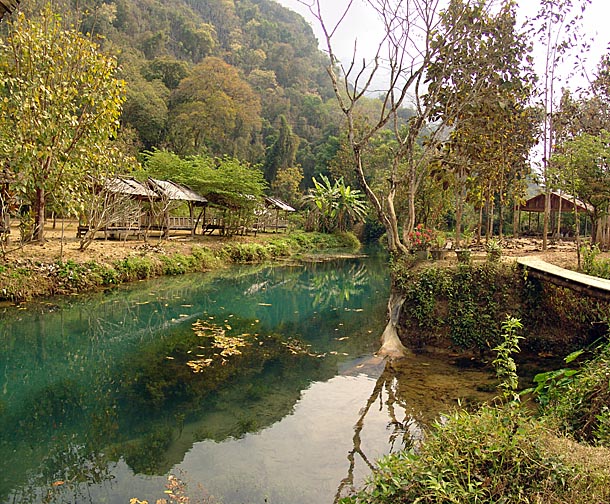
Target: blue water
x: 98, y: 402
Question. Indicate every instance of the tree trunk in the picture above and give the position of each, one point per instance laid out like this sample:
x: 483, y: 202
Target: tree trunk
x: 39, y: 209
x: 391, y: 346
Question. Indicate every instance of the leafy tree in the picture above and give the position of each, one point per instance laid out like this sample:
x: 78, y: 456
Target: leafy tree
x: 283, y: 151
x: 556, y: 26
x: 584, y: 163
x: 287, y: 185
x: 337, y: 205
x: 226, y: 181
x: 145, y: 108
x: 485, y: 102
x: 214, y: 109
x: 59, y: 108
x: 167, y: 70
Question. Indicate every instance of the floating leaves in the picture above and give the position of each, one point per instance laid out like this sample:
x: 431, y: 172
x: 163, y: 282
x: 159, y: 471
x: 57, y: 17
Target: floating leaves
x: 229, y: 346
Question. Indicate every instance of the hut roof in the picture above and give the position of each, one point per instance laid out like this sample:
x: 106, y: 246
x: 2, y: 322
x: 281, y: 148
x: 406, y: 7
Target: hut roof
x: 272, y: 201
x: 7, y: 7
x: 131, y: 187
x: 536, y: 203
x: 175, y: 191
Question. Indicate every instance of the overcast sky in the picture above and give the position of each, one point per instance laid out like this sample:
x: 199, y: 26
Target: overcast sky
x: 361, y: 25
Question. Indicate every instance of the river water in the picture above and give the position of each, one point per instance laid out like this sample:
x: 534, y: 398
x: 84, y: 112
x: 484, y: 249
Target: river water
x: 253, y: 385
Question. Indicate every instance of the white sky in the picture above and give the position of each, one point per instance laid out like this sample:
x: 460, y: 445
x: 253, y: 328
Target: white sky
x: 361, y: 26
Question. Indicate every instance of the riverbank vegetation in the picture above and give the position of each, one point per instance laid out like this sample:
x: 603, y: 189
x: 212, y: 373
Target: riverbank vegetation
x: 233, y: 98
x: 508, y: 451
x: 25, y: 278
x: 461, y: 307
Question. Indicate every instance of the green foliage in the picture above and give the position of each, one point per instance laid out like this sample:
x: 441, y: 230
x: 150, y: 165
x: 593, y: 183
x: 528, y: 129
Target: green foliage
x: 495, y: 455
x: 227, y: 181
x: 493, y: 249
x: 461, y: 303
x: 577, y: 402
x: 246, y: 252
x: 60, y: 101
x: 130, y: 269
x: 214, y: 109
x: 336, y: 206
x: 592, y: 265
x: 504, y: 364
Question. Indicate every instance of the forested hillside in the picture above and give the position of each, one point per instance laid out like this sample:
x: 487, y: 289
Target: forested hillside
x: 224, y: 77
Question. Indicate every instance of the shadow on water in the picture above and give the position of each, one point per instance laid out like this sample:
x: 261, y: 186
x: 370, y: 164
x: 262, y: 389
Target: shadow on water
x: 257, y: 382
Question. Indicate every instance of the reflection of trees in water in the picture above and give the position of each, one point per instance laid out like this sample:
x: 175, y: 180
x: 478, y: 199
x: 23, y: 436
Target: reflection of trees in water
x: 334, y: 288
x: 407, y: 430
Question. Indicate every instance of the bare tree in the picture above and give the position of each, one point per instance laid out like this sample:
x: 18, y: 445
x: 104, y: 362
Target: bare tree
x: 105, y: 208
x: 416, y: 35
x: 412, y: 39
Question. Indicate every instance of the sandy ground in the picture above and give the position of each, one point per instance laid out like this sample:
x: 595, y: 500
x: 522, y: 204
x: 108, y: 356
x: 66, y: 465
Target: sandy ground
x: 61, y: 244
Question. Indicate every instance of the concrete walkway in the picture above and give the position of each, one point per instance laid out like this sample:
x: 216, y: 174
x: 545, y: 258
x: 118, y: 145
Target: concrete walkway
x: 579, y: 282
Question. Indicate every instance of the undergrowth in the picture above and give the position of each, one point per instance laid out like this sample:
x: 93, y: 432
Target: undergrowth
x: 30, y: 279
x: 503, y: 453
x: 463, y: 305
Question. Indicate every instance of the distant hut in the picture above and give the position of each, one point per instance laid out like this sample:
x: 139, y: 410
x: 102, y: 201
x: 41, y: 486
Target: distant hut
x: 172, y: 192
x: 560, y: 203
x: 275, y: 214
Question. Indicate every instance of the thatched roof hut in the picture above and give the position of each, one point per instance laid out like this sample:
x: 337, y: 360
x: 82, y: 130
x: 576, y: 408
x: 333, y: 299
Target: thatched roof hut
x: 130, y: 187
x: 176, y: 192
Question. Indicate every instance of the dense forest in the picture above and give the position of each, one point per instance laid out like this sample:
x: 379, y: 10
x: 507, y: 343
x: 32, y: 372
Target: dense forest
x: 447, y: 145
x: 224, y: 77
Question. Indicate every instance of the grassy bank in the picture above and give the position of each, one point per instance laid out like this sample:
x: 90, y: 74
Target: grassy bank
x: 22, y: 279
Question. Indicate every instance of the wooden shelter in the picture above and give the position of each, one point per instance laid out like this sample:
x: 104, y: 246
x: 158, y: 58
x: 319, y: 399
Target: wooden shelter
x: 274, y: 215
x: 125, y: 197
x: 150, y: 204
x: 560, y: 203
x: 172, y: 192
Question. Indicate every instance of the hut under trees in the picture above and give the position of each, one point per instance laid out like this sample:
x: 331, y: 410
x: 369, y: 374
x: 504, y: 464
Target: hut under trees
x: 274, y: 215
x: 560, y: 203
x: 172, y: 196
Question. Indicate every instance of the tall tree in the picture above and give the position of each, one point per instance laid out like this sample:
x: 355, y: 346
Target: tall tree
x: 557, y: 26
x: 484, y: 100
x: 214, y: 109
x: 60, y: 101
x: 282, y: 153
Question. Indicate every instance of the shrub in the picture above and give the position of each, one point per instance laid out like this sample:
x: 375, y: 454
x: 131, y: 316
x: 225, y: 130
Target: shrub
x: 134, y: 268
x: 494, y: 455
x: 578, y: 402
x: 245, y: 252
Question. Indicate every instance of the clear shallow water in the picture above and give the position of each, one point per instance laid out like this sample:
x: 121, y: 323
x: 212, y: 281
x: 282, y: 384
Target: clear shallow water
x: 97, y: 403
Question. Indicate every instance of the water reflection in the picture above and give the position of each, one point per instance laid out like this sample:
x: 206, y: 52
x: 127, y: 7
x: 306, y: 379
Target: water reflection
x: 90, y: 382
x: 98, y: 402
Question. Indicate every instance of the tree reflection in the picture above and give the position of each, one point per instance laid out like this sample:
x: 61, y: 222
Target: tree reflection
x: 407, y: 429
x: 335, y: 288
